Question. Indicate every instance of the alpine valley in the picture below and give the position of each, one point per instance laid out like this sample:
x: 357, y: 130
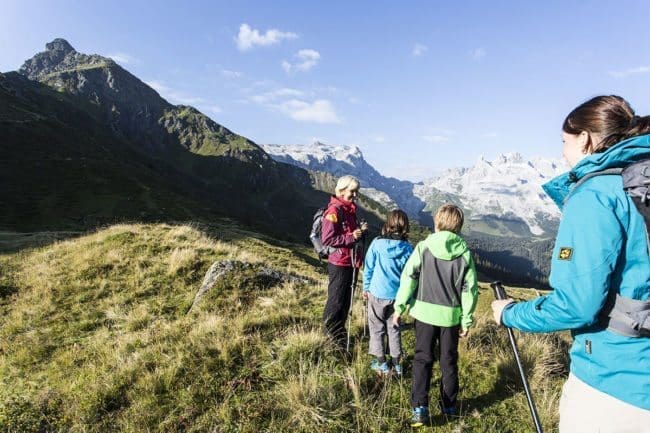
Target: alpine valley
x: 85, y: 143
x: 510, y: 221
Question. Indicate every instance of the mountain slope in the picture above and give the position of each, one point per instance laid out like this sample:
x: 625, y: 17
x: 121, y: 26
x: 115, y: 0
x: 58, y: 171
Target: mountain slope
x: 341, y: 160
x: 62, y: 169
x: 501, y: 197
x: 509, y: 219
x: 508, y: 188
x: 89, y: 143
x: 96, y: 335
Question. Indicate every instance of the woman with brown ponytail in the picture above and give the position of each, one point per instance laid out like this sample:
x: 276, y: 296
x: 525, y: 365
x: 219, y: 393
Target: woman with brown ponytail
x: 600, y: 261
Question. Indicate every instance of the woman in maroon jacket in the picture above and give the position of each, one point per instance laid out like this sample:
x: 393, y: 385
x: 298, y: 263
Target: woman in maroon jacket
x: 340, y: 230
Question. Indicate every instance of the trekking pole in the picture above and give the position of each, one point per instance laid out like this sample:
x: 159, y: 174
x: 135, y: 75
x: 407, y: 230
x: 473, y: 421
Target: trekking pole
x: 354, y: 276
x: 500, y: 293
x: 365, y: 317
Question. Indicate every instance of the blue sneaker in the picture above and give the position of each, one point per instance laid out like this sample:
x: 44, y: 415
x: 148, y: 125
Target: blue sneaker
x: 397, y: 368
x: 420, y: 416
x: 381, y: 368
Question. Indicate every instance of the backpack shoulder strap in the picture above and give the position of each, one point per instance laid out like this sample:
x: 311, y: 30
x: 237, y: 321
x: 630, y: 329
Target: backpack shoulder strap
x: 609, y: 171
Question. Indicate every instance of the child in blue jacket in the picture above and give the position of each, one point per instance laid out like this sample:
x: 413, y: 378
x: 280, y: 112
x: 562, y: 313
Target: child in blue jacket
x: 383, y: 266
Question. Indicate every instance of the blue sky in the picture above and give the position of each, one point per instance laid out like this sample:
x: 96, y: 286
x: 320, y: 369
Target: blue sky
x: 418, y: 86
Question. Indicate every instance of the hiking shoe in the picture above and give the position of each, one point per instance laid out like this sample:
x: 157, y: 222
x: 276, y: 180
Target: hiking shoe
x: 397, y: 368
x: 380, y: 367
x: 450, y: 411
x: 420, y: 416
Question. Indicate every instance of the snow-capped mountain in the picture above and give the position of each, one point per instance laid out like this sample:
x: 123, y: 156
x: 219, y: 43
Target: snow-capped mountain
x: 509, y: 187
x: 341, y: 160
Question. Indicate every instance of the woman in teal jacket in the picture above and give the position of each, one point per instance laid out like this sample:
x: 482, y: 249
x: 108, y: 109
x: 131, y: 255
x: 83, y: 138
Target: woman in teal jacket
x: 601, y: 251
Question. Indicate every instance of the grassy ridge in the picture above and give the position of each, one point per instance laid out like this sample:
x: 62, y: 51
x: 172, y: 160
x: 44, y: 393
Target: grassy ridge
x: 95, y: 336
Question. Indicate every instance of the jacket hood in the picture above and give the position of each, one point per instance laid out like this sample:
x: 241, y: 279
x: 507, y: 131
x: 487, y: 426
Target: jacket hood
x: 620, y: 155
x: 334, y: 200
x: 446, y: 245
x: 393, y: 248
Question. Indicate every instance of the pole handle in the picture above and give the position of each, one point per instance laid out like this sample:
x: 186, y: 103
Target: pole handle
x: 499, y: 291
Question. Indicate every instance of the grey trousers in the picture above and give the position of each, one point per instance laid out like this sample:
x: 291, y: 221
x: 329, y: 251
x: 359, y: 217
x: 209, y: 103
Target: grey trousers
x: 380, y: 325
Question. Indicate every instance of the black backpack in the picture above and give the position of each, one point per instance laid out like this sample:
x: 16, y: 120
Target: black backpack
x: 321, y: 250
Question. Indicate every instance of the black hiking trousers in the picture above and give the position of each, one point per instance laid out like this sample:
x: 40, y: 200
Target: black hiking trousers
x: 426, y: 337
x: 339, y: 292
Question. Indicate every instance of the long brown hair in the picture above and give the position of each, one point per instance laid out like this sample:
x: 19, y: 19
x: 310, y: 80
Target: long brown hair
x: 396, y: 225
x: 611, y: 118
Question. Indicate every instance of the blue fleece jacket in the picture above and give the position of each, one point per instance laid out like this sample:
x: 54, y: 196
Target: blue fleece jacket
x: 383, y: 266
x: 601, y: 248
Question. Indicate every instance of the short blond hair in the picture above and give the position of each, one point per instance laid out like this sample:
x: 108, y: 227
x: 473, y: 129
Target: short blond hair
x: 449, y: 218
x: 346, y: 182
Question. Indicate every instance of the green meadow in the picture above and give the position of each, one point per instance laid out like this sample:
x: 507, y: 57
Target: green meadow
x: 100, y: 332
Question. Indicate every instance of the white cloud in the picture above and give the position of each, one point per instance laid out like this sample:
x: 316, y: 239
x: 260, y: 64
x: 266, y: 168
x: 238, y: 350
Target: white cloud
x: 478, y: 53
x: 319, y: 111
x: 307, y: 59
x: 632, y: 71
x: 174, y: 96
x: 299, y: 105
x: 249, y: 37
x: 215, y: 109
x: 122, y: 58
x: 418, y: 50
x: 275, y: 95
x: 230, y: 74
x: 490, y: 135
x: 435, y: 138
x: 380, y: 138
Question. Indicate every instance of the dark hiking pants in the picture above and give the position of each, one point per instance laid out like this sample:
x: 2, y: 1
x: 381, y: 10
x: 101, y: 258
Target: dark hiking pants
x: 339, y: 292
x: 426, y: 337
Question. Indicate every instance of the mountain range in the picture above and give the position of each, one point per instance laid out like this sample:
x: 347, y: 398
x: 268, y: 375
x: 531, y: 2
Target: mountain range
x: 503, y: 196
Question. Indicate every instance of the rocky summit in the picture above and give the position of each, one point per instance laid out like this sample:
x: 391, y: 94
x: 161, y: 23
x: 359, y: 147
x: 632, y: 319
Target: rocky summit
x: 58, y: 56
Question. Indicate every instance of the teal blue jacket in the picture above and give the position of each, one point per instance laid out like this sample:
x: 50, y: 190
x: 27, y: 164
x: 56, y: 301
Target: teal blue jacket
x: 383, y: 266
x: 601, y: 248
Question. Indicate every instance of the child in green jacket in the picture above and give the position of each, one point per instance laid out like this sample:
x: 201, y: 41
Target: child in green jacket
x: 439, y: 284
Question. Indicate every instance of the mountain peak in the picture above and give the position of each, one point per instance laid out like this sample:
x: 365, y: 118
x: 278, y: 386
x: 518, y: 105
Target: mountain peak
x: 59, y: 56
x: 510, y: 158
x: 60, y: 45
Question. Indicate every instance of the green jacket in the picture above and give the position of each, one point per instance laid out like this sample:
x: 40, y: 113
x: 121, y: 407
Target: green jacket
x: 439, y: 282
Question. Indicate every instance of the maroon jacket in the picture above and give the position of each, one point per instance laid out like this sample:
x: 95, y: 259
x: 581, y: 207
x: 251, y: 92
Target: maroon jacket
x: 339, y: 221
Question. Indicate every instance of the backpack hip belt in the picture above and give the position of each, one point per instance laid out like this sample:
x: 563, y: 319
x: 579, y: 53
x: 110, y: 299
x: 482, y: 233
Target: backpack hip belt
x: 630, y: 317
